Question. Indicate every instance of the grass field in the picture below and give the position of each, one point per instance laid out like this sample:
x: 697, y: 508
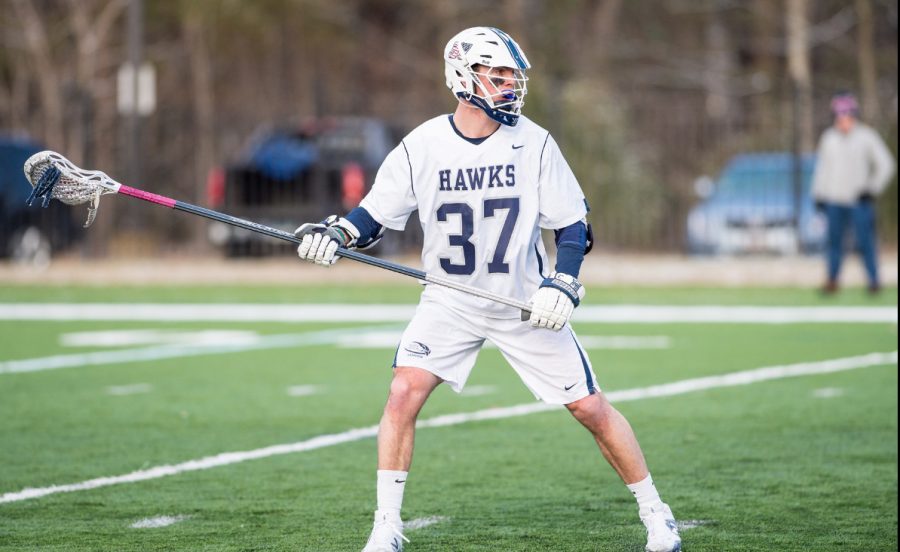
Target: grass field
x: 787, y: 463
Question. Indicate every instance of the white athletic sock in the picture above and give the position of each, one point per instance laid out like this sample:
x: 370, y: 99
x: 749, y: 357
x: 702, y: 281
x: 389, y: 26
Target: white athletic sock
x: 645, y: 492
x: 390, y: 490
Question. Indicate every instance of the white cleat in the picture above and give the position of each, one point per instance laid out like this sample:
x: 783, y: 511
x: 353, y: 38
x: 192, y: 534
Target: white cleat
x: 662, y: 532
x: 386, y: 534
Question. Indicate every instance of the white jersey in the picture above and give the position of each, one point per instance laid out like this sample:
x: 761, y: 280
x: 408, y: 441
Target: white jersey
x: 481, y: 207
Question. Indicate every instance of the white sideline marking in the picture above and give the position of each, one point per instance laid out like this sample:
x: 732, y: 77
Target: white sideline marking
x: 120, y: 338
x: 129, y: 389
x: 828, y: 392
x: 205, y: 312
x: 625, y: 341
x: 260, y: 312
x: 745, y: 377
x: 121, y: 356
x: 303, y: 390
x: 159, y: 521
x: 421, y: 523
x: 371, y: 340
x: 366, y: 337
x: 389, y: 339
x: 478, y: 390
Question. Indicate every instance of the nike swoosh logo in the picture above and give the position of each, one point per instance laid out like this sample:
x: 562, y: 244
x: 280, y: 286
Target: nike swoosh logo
x: 399, y: 481
x: 518, y: 147
x: 570, y: 386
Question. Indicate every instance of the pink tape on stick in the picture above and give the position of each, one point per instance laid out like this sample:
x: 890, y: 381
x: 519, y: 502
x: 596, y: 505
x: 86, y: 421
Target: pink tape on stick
x: 147, y: 196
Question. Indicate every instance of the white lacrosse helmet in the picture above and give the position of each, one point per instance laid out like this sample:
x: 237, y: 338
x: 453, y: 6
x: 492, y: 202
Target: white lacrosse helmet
x: 490, y: 48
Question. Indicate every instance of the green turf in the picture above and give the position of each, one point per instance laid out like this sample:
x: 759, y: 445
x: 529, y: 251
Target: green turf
x: 767, y: 466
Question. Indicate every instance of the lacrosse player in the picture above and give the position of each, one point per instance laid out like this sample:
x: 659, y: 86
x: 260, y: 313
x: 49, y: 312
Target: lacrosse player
x: 484, y: 181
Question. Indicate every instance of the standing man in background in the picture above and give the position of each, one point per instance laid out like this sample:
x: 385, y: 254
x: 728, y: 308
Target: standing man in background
x: 853, y: 166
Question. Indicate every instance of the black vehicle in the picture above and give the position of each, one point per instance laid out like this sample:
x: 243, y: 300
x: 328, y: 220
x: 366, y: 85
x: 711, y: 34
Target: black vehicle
x: 289, y: 175
x: 29, y: 234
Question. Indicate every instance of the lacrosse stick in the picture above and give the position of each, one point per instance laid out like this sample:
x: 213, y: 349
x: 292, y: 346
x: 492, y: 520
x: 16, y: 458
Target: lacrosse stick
x: 55, y: 177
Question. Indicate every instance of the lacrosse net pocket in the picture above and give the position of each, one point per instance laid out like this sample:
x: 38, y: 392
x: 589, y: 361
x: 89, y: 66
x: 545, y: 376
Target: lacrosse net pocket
x: 55, y: 177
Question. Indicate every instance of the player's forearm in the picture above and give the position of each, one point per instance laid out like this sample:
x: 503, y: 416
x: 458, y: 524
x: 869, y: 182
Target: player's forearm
x: 368, y: 228
x: 571, y: 243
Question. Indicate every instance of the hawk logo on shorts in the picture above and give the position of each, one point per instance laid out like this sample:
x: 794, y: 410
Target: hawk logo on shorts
x: 417, y: 348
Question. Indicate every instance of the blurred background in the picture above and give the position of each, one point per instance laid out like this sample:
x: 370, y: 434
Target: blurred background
x: 691, y: 124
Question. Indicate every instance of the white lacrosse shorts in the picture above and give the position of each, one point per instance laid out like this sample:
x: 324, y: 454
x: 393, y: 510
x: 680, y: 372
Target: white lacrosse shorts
x: 446, y: 341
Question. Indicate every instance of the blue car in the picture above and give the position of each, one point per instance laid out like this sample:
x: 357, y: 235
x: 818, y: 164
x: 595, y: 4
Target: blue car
x: 29, y: 235
x: 750, y: 209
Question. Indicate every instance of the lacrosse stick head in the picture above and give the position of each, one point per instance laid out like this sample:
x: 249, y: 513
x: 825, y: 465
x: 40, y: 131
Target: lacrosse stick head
x: 55, y: 177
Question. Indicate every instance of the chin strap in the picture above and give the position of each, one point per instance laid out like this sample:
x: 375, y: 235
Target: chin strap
x: 502, y: 117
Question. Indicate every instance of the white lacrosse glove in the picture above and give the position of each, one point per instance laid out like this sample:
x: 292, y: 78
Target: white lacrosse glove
x: 553, y: 302
x: 321, y: 240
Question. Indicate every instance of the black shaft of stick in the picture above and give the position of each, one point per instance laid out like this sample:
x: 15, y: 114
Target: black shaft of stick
x: 287, y: 236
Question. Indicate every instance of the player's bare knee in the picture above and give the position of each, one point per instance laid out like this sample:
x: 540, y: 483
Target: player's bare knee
x: 592, y: 411
x: 409, y: 389
x: 401, y: 390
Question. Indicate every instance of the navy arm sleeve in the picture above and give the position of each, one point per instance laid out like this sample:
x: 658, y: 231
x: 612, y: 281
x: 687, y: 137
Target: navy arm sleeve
x: 363, y: 221
x: 571, y: 243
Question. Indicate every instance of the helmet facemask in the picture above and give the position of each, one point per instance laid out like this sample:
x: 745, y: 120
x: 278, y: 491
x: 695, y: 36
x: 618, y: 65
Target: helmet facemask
x: 502, y: 96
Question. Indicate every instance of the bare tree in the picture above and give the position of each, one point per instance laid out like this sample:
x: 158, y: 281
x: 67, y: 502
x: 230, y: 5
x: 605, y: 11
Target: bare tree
x: 604, y: 20
x: 765, y: 65
x: 719, y: 71
x: 865, y: 53
x: 45, y: 71
x: 202, y: 96
x: 92, y: 23
x: 797, y: 25
x: 18, y: 114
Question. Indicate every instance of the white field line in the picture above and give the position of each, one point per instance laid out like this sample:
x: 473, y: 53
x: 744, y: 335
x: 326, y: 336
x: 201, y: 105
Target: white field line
x: 165, y: 521
x: 132, y: 338
x: 828, y: 392
x: 249, y: 312
x: 156, y: 522
x: 142, y: 354
x: 205, y: 312
x: 421, y: 523
x: 366, y: 337
x: 666, y: 390
x: 389, y: 339
x: 132, y: 389
x: 303, y: 390
x: 371, y: 340
x: 692, y: 523
x: 352, y: 340
x: 625, y: 341
x: 478, y: 390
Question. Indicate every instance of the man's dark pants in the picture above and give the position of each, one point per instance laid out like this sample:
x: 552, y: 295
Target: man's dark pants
x: 862, y: 217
